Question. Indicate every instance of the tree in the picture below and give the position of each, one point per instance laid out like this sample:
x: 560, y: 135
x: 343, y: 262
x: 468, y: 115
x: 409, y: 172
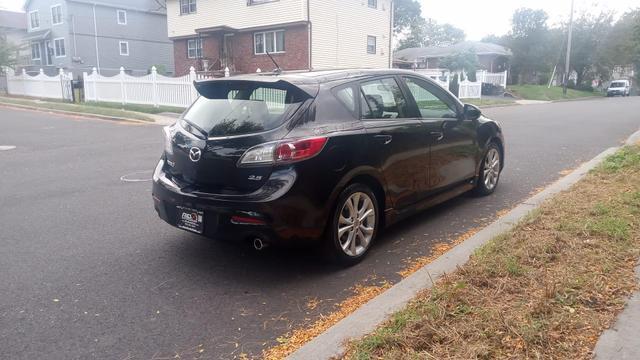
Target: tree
x: 588, y: 58
x: 8, y: 52
x: 635, y: 46
x: 464, y: 61
x: 621, y: 45
x: 405, y: 14
x: 428, y: 32
x: 529, y: 40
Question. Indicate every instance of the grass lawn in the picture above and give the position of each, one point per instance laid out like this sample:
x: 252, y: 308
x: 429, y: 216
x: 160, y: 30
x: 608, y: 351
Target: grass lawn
x: 488, y: 102
x: 541, y: 92
x: 138, y: 108
x: 86, y: 109
x: 546, y: 289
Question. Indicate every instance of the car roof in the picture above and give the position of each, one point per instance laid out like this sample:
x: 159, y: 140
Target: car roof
x: 314, y: 77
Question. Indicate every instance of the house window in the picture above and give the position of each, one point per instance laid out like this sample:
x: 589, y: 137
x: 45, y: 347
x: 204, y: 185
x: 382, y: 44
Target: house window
x: 56, y: 14
x: 371, y: 45
x: 194, y: 48
x: 122, y: 17
x: 124, y: 48
x: 34, y: 20
x: 268, y: 41
x: 373, y: 4
x: 187, y: 7
x: 58, y: 47
x: 35, y: 51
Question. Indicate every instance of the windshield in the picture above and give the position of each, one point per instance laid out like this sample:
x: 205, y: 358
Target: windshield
x: 618, y: 84
x: 229, y: 108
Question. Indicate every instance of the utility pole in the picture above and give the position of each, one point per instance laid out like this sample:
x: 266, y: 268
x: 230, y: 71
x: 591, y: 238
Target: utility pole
x: 568, y: 60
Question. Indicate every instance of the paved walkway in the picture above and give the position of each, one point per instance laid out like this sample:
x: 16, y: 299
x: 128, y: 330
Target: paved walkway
x: 622, y: 340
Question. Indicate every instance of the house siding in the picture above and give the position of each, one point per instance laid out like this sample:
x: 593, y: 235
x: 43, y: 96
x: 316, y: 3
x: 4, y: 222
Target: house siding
x: 232, y: 13
x: 147, y: 44
x: 145, y: 32
x: 57, y: 31
x: 339, y: 33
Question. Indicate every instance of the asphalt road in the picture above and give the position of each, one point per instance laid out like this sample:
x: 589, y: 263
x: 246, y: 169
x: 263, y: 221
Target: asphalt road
x: 87, y: 270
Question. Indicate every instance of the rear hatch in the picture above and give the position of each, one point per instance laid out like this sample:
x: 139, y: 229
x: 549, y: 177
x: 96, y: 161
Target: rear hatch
x: 230, y: 117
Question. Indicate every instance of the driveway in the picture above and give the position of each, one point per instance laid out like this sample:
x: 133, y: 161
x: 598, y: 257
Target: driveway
x: 87, y: 270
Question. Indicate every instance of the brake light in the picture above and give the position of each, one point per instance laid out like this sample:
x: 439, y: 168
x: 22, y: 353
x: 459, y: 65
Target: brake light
x: 283, y: 152
x: 299, y: 149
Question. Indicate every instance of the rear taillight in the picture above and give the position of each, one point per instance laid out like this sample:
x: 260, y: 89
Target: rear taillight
x: 168, y: 135
x: 283, y: 152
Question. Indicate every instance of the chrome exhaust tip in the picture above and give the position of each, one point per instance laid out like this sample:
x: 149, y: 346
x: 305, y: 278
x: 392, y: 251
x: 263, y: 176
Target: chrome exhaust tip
x: 258, y: 244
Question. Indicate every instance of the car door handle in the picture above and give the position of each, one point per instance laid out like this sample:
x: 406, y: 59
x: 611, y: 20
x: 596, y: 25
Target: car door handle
x: 439, y: 135
x: 384, y: 139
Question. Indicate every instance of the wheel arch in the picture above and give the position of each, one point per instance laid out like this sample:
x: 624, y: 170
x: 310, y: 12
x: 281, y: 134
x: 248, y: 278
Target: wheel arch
x: 372, y: 179
x: 487, y: 133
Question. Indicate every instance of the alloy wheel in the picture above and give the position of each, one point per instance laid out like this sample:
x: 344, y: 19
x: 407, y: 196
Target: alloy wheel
x: 356, y: 224
x: 491, y: 168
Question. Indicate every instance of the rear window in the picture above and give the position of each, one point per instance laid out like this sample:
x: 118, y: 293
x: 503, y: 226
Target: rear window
x: 238, y: 108
x: 618, y: 84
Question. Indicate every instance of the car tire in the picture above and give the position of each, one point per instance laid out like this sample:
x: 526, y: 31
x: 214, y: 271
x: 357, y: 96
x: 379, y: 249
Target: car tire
x: 490, y: 170
x: 357, y: 206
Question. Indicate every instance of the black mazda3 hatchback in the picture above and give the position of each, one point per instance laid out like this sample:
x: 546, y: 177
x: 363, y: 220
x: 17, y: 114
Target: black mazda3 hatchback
x: 327, y: 157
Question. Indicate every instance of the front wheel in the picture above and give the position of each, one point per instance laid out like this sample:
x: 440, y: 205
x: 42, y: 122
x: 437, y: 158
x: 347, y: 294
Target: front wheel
x: 489, y: 171
x: 354, y: 225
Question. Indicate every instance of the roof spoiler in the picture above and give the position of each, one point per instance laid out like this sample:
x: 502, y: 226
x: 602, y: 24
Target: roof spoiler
x: 219, y: 88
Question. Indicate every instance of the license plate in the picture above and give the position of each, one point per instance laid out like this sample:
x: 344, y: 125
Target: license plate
x: 191, y: 219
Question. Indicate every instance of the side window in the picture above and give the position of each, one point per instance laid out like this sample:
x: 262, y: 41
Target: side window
x: 382, y: 99
x: 346, y: 97
x: 429, y: 105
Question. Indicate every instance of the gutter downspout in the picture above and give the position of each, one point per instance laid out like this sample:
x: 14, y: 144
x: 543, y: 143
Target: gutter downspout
x: 310, y: 38
x: 391, y: 15
x: 95, y: 30
x: 73, y: 29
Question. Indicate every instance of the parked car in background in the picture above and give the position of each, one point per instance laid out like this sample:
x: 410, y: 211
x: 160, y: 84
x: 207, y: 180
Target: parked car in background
x: 330, y: 156
x: 619, y: 87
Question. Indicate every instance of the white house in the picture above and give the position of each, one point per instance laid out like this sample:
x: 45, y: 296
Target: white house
x: 300, y: 34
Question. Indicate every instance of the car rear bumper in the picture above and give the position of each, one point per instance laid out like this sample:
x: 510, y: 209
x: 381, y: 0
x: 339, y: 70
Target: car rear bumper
x: 285, y: 217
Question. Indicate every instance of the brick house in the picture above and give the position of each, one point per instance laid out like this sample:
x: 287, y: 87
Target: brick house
x: 211, y: 35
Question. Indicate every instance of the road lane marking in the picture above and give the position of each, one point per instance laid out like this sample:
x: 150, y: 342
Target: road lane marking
x: 6, y: 147
x: 137, y: 176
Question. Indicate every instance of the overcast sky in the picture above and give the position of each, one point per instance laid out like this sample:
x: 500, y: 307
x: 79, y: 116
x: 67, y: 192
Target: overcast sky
x: 479, y: 18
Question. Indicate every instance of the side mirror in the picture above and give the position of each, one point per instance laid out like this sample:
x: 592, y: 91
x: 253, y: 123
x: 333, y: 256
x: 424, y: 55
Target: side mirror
x: 471, y: 112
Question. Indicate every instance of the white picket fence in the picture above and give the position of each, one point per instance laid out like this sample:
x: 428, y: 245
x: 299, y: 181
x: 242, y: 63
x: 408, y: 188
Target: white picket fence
x: 497, y: 79
x: 441, y: 76
x: 41, y: 85
x: 468, y: 89
x: 153, y: 89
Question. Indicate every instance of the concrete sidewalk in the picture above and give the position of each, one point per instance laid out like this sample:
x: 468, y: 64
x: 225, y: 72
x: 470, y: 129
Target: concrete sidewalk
x: 89, y: 111
x: 622, y: 340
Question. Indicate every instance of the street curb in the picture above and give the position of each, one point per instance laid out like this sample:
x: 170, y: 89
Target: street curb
x: 81, y: 114
x: 620, y: 340
x: 331, y: 343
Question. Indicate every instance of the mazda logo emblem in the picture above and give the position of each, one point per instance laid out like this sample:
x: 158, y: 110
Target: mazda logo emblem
x: 195, y: 154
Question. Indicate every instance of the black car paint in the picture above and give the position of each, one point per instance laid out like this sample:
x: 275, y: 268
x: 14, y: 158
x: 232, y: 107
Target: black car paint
x: 296, y: 200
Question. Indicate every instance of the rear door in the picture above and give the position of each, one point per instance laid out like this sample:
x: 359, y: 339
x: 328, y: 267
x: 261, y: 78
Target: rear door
x: 453, y: 141
x: 397, y: 139
x: 229, y: 118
